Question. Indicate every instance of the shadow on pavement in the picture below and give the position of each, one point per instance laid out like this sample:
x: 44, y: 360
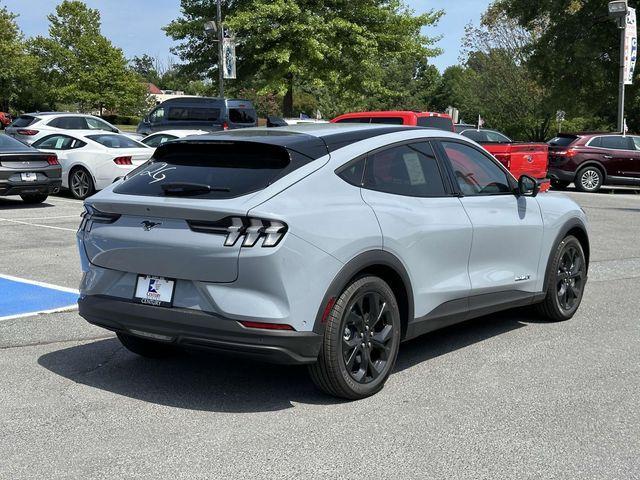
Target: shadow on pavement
x: 18, y: 204
x: 212, y: 382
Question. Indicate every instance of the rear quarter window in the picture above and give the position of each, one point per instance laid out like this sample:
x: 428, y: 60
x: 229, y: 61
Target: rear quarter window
x: 439, y: 123
x: 194, y: 114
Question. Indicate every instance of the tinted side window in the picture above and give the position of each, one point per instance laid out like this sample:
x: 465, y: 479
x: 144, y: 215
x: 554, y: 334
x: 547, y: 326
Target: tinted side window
x: 596, y: 142
x: 157, y: 115
x: 157, y: 140
x: 387, y: 120
x: 439, y: 123
x: 352, y: 173
x: 410, y: 170
x: 58, y: 142
x: 475, y: 135
x: 636, y: 142
x: 475, y: 173
x: 193, y: 114
x: 355, y: 120
x: 615, y: 142
x: 242, y: 115
x: 95, y: 124
x: 69, y: 123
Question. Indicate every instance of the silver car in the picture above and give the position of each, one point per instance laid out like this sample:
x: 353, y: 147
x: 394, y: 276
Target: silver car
x: 325, y: 245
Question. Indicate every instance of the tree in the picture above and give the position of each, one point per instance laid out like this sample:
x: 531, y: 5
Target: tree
x: 575, y: 55
x: 340, y: 46
x: 82, y: 67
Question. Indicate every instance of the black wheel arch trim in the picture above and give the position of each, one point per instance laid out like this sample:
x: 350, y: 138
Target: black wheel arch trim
x: 361, y: 263
x: 571, y: 224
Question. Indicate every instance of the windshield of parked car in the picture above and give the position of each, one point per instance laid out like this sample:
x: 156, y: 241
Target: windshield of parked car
x: 116, y: 141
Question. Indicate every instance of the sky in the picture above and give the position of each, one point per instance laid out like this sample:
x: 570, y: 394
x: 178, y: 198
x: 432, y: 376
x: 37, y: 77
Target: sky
x: 136, y: 25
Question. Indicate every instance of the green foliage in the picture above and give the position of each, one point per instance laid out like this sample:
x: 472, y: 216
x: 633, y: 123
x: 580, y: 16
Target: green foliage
x: 82, y: 67
x: 343, y: 48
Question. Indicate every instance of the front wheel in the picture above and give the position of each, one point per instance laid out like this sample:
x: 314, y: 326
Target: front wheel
x: 361, y: 341
x: 566, y: 281
x: 80, y: 183
x: 589, y: 179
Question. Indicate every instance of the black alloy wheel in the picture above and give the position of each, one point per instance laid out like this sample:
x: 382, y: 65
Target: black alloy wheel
x: 360, y: 342
x: 566, y: 281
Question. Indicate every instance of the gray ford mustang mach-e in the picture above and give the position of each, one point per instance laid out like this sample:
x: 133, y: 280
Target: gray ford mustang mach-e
x: 325, y: 245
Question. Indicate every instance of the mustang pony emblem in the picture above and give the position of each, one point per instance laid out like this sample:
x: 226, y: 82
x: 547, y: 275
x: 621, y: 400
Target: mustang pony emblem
x: 147, y: 225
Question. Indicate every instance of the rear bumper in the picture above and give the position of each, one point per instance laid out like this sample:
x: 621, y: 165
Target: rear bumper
x: 193, y: 328
x: 561, y: 175
x: 8, y: 187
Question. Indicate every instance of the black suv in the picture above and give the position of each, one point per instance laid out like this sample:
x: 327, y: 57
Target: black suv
x: 199, y: 113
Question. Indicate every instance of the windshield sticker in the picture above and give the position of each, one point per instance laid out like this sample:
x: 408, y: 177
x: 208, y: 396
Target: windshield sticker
x: 158, y: 174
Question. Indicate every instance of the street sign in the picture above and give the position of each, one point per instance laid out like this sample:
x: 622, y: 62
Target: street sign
x: 229, y: 57
x: 630, y: 46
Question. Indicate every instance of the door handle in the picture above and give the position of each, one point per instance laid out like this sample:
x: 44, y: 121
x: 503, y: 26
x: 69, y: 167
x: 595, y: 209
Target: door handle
x: 608, y: 157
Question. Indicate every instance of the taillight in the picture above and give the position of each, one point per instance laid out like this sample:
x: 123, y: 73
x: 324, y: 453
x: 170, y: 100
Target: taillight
x: 251, y: 229
x: 225, y: 126
x: 91, y: 216
x: 504, y: 158
x: 122, y: 161
x: 28, y: 133
x: 266, y: 326
x: 52, y: 160
x: 566, y: 153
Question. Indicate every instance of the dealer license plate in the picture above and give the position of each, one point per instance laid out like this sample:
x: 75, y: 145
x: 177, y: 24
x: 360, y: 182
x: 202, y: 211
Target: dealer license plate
x: 29, y: 177
x: 156, y: 291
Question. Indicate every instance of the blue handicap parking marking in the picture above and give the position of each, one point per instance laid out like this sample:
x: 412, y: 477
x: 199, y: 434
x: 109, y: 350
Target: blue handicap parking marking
x: 21, y: 298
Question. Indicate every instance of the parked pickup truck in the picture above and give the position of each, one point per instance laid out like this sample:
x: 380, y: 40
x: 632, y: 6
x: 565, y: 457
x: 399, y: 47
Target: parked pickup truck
x: 520, y: 158
x: 438, y: 121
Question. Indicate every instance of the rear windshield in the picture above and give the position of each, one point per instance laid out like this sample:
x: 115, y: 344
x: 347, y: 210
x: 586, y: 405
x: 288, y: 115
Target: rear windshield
x: 8, y: 144
x: 24, y: 121
x: 563, y: 141
x: 440, y: 123
x: 212, y: 170
x: 193, y: 114
x: 243, y: 115
x: 115, y: 141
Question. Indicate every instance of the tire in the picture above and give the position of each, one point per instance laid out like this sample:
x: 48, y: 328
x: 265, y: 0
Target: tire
x: 359, y: 352
x: 567, y: 276
x: 34, y: 198
x: 559, y: 185
x: 81, y: 183
x: 589, y: 179
x: 144, y: 347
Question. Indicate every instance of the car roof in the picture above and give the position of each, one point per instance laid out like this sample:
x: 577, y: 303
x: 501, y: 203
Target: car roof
x: 313, y: 140
x: 58, y: 114
x: 178, y: 133
x: 391, y: 113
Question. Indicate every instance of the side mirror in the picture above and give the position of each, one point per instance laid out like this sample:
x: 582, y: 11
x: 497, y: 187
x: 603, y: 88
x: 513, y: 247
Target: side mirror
x: 528, y: 186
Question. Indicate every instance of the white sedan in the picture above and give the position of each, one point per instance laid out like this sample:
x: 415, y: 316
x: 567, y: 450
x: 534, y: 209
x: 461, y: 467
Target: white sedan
x: 156, y: 139
x: 93, y: 160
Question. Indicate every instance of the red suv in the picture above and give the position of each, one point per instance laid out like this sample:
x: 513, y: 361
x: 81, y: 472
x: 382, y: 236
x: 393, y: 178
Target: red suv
x: 440, y: 121
x: 593, y: 160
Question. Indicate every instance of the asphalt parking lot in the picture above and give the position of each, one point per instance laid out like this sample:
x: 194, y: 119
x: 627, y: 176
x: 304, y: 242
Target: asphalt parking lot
x: 500, y: 397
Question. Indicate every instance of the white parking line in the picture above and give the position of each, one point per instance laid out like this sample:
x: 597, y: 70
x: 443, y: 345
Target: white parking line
x: 39, y: 284
x: 38, y: 225
x: 69, y: 308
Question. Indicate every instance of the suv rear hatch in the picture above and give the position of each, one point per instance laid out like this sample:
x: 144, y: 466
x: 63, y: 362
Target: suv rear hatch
x: 559, y: 145
x: 173, y: 217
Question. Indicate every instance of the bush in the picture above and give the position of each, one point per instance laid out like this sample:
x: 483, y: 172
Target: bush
x: 121, y: 119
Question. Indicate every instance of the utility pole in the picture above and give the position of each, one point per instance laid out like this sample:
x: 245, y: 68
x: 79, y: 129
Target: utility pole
x: 220, y: 52
x: 618, y: 11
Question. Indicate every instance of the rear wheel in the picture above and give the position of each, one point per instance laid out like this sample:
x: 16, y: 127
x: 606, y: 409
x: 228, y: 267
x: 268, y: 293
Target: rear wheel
x: 566, y: 281
x: 80, y: 183
x: 360, y: 342
x: 145, y: 347
x: 33, y: 198
x: 589, y: 179
x: 559, y: 185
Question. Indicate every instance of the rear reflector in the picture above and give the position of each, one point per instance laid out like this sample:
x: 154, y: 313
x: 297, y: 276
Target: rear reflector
x: 122, y: 161
x: 327, y: 309
x: 52, y: 160
x: 28, y: 133
x: 267, y: 326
